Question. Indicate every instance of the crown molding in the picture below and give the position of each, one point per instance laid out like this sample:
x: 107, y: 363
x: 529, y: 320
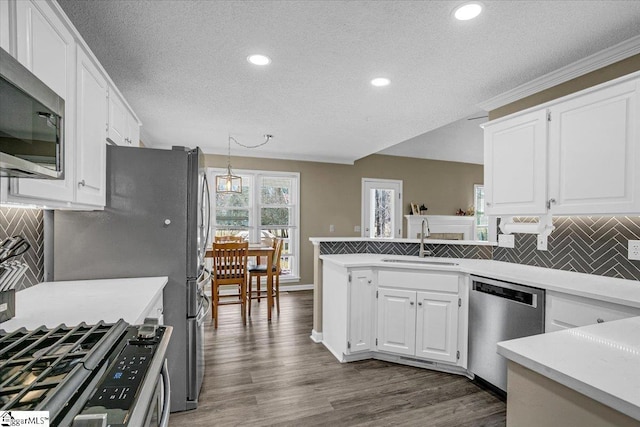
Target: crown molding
x: 581, y: 67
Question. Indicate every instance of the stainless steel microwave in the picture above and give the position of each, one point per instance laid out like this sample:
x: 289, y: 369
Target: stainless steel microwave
x: 31, y: 124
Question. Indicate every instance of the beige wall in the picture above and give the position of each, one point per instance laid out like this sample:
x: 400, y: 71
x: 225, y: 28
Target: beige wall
x: 610, y: 72
x: 330, y: 193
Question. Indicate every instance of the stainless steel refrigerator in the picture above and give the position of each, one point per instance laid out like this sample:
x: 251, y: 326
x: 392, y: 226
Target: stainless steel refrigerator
x: 155, y: 223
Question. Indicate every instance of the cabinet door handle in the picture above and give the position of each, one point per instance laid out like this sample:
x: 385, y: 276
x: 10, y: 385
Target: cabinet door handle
x: 600, y: 320
x: 410, y: 302
x: 369, y: 281
x: 420, y: 303
x: 551, y: 202
x: 488, y: 203
x: 81, y: 183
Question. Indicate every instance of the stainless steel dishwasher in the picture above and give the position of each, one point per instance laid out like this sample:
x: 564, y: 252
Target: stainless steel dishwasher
x: 500, y: 311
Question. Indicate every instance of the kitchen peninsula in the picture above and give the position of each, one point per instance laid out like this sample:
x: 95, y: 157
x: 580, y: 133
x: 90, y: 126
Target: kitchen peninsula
x: 569, y: 296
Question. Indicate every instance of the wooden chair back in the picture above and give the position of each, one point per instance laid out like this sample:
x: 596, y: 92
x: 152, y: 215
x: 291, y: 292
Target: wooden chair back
x: 277, y: 253
x: 229, y: 268
x: 230, y: 262
x: 221, y: 239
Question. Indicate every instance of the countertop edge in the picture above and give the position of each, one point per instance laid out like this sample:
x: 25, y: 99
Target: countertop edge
x: 487, y: 268
x: 628, y: 408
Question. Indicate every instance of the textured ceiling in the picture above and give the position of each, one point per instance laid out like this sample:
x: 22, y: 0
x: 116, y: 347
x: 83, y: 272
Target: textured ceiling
x: 182, y: 66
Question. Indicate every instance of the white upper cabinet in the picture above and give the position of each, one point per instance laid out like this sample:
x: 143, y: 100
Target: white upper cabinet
x: 134, y: 131
x: 47, y: 49
x: 515, y: 153
x: 594, y: 149
x: 92, y: 132
x: 123, y: 126
x: 40, y: 36
x: 118, y: 128
x: 578, y: 155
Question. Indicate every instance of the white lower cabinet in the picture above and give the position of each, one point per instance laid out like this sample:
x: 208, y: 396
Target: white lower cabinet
x: 420, y: 324
x: 348, y: 311
x: 396, y: 321
x: 361, y: 297
x: 397, y: 315
x: 563, y: 311
x: 437, y: 326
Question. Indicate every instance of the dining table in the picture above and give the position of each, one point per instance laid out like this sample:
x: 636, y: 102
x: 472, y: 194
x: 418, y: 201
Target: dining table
x: 258, y: 250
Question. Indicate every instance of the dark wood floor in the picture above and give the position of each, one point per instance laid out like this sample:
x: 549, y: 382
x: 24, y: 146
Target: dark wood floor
x: 273, y: 374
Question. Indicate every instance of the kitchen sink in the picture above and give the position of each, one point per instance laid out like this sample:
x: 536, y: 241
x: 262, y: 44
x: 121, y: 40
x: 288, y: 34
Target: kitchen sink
x: 420, y: 261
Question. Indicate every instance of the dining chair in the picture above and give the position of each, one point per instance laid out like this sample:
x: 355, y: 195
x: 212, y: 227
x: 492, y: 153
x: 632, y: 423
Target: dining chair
x: 260, y: 270
x: 229, y: 270
x: 221, y: 239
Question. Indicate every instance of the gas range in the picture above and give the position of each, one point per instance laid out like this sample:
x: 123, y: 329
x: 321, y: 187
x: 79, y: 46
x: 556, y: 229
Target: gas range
x: 102, y: 374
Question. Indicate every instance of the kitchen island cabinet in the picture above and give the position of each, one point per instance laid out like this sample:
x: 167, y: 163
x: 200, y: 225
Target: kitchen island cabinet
x: 587, y: 376
x: 418, y: 314
x: 89, y: 301
x: 390, y: 314
x: 349, y: 312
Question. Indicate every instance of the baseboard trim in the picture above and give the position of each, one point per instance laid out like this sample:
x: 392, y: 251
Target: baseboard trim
x: 316, y: 337
x: 293, y: 288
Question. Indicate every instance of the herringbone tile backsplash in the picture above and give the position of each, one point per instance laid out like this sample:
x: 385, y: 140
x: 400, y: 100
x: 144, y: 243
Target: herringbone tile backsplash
x: 27, y: 223
x: 400, y: 248
x: 593, y: 245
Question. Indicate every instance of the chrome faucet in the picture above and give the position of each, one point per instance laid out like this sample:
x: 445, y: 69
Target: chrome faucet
x: 425, y: 233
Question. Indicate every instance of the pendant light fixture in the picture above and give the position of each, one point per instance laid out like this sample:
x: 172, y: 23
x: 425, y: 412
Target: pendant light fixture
x: 230, y: 183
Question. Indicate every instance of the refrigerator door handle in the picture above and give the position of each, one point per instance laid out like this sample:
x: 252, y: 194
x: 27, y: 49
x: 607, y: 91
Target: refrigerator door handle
x: 206, y: 213
x: 204, y: 311
x: 192, y: 298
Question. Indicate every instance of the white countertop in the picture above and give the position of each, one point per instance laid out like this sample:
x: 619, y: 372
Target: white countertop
x: 617, y: 291
x: 89, y: 301
x: 600, y: 361
x: 318, y: 240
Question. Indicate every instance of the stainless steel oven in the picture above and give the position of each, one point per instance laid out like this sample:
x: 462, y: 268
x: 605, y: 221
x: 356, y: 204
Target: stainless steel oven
x: 88, y: 375
x: 31, y: 124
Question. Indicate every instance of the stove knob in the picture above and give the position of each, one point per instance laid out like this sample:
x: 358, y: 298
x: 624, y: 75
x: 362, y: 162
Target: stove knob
x: 90, y: 420
x: 147, y: 332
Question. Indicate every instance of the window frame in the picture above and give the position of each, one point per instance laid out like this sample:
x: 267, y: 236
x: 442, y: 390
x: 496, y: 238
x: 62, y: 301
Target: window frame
x: 255, y: 208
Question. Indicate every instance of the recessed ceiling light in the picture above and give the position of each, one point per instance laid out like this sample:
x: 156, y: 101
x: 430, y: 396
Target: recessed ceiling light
x: 467, y: 11
x: 259, y: 59
x: 380, y: 81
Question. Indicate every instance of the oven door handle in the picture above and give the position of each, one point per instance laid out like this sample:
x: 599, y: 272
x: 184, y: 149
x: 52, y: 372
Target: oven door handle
x: 166, y: 404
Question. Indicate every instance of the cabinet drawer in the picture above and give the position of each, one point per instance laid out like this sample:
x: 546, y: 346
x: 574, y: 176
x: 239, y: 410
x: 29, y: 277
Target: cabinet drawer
x: 567, y: 311
x: 418, y: 280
